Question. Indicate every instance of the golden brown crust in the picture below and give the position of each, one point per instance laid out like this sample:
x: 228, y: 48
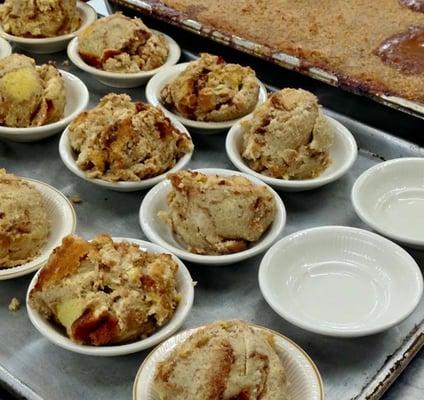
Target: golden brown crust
x: 331, y: 34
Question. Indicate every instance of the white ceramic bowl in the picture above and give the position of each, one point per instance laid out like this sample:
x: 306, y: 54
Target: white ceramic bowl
x: 76, y: 100
x: 157, y: 83
x: 124, y: 80
x: 159, y: 232
x: 54, y: 44
x: 69, y: 159
x: 343, y: 154
x: 389, y: 197
x: 302, y: 374
x: 5, y: 48
x: 340, y: 281
x: 184, y: 286
x: 62, y: 223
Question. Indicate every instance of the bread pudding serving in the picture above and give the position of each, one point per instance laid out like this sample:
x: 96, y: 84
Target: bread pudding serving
x: 121, y: 44
x: 225, y: 360
x: 288, y: 136
x: 211, y: 90
x: 30, y: 95
x: 122, y: 140
x: 24, y: 223
x: 215, y: 215
x: 40, y: 18
x: 104, y: 292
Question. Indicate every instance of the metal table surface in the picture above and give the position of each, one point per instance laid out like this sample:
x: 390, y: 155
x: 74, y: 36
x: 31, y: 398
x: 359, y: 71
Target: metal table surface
x: 34, y: 368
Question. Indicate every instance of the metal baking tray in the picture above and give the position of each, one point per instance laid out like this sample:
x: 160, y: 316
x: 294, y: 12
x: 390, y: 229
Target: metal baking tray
x: 157, y: 9
x: 33, y: 368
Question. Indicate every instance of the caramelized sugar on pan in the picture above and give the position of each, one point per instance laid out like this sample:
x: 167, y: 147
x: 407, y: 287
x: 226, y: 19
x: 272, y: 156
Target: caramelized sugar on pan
x: 404, y: 51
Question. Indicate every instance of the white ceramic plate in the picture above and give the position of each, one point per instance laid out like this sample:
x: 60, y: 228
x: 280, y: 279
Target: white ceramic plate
x: 62, y: 223
x: 124, y: 80
x: 5, y: 48
x: 340, y: 281
x: 389, y: 197
x: 69, y: 159
x: 184, y: 286
x: 76, y: 100
x: 303, y: 376
x: 343, y: 154
x: 159, y: 232
x: 157, y: 83
x: 54, y: 44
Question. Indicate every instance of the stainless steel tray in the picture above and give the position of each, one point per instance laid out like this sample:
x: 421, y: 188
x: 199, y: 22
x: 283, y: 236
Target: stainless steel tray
x: 158, y: 9
x: 352, y: 369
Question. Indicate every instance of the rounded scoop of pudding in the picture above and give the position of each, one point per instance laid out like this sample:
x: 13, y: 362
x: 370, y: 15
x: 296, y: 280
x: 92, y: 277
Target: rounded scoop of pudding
x: 40, y: 19
x: 122, y: 140
x: 211, y: 90
x: 121, y: 44
x: 24, y: 224
x: 214, y: 215
x: 288, y: 136
x: 225, y: 360
x: 105, y: 292
x: 30, y: 95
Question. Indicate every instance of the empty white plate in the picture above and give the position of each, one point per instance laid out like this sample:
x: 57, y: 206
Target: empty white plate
x: 159, y: 232
x: 53, y: 44
x: 184, y: 287
x: 158, y: 82
x: 340, y: 281
x: 124, y: 80
x: 76, y: 100
x: 62, y: 223
x: 389, y: 197
x: 343, y: 154
x: 302, y: 374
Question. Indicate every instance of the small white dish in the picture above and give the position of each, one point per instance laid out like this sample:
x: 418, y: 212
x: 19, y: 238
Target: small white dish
x: 76, y: 101
x: 62, y: 223
x: 340, y: 281
x: 124, y: 80
x: 303, y: 376
x: 158, y: 82
x: 343, y: 154
x: 184, y: 285
x: 389, y: 197
x: 5, y: 48
x: 53, y: 44
x: 159, y: 232
x: 69, y: 159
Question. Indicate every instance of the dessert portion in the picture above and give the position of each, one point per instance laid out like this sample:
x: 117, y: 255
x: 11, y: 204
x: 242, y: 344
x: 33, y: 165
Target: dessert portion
x: 288, y: 136
x: 120, y: 44
x: 30, y: 95
x: 225, y: 360
x: 24, y: 223
x: 325, y: 34
x: 103, y: 292
x: 122, y: 140
x: 40, y: 18
x: 215, y: 215
x: 211, y: 90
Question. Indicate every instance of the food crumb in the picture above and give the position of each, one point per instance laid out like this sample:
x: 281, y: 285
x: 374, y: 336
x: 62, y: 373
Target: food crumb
x: 14, y: 304
x: 66, y: 63
x: 75, y: 199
